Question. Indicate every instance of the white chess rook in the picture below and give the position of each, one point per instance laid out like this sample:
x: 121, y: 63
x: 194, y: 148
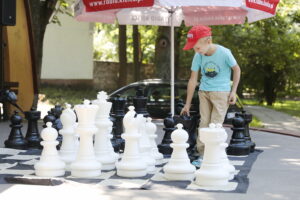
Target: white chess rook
x: 68, y: 148
x: 103, y: 147
x: 86, y: 164
x: 145, y: 145
x: 131, y: 164
x: 50, y: 164
x: 151, y: 131
x: 179, y: 166
x: 212, y: 171
x: 226, y: 164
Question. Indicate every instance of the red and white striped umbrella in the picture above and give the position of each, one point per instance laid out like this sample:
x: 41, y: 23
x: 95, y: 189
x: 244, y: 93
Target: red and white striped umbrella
x: 173, y: 13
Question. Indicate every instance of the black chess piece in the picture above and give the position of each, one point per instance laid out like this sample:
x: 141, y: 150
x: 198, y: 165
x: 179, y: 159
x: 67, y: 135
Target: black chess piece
x: 237, y: 145
x: 190, y: 125
x: 165, y: 147
x: 116, y: 116
x: 140, y: 102
x: 32, y: 135
x: 16, y: 139
x: 248, y: 118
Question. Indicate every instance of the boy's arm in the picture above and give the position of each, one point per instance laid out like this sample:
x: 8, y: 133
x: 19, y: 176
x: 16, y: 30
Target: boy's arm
x: 193, y: 81
x: 236, y: 79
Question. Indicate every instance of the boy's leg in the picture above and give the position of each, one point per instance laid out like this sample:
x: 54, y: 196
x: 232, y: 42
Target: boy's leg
x: 205, y: 113
x: 220, y: 106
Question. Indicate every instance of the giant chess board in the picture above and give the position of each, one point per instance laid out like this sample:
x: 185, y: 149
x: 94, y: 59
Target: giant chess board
x: 16, y: 166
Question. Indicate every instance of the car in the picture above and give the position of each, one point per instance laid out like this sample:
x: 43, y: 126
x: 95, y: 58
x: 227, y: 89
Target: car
x: 158, y: 93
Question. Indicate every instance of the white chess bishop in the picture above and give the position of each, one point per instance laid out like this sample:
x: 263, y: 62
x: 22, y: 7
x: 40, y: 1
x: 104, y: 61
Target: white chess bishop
x: 86, y: 164
x: 145, y: 145
x: 212, y: 171
x: 131, y: 164
x: 50, y: 164
x: 151, y: 131
x: 179, y: 166
x: 68, y: 148
x: 103, y: 147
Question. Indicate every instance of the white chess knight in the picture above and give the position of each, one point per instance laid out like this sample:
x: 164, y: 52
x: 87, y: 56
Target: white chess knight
x: 179, y: 166
x: 131, y: 164
x: 86, y: 164
x: 68, y: 148
x: 212, y: 171
x: 50, y: 164
x: 103, y: 147
x: 151, y: 131
x: 145, y: 145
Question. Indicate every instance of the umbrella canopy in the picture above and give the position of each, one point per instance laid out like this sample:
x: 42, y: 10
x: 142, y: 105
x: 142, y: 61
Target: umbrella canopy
x: 173, y: 13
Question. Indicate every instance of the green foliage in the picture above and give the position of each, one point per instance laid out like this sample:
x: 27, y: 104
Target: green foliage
x: 67, y: 94
x: 256, y: 123
x: 106, y: 42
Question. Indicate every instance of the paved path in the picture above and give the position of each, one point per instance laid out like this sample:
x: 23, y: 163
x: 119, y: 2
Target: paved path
x: 275, y: 120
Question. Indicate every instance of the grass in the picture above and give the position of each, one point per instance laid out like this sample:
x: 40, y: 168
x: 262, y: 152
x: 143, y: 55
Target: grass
x: 67, y: 94
x: 256, y: 123
x: 290, y: 107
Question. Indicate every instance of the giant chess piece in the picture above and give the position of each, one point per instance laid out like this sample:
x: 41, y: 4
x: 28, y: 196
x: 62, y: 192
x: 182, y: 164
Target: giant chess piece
x: 212, y: 171
x: 151, y: 131
x: 117, y: 115
x: 33, y: 136
x: 68, y: 148
x: 86, y: 164
x: 224, y: 159
x: 131, y: 164
x: 179, y: 166
x: 140, y: 102
x: 165, y: 147
x: 145, y: 145
x: 190, y: 125
x: 50, y: 164
x: 238, y: 145
x: 48, y: 118
x: 248, y: 118
x: 56, y: 112
x: 103, y: 146
x: 16, y: 139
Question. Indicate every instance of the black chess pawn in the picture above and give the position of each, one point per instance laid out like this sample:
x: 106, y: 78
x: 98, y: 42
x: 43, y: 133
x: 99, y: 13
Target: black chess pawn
x: 116, y: 116
x: 16, y: 139
x: 190, y: 125
x: 248, y: 118
x: 237, y: 145
x: 32, y: 135
x: 165, y: 147
x: 140, y: 102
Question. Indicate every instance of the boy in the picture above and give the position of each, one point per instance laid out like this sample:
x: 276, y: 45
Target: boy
x: 215, y: 93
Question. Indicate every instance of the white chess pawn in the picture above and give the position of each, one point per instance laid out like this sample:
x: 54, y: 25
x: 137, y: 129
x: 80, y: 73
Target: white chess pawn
x: 86, y: 164
x: 145, y: 145
x: 212, y: 171
x: 179, y: 166
x: 151, y: 130
x: 68, y: 148
x: 50, y: 164
x: 103, y: 147
x: 131, y: 164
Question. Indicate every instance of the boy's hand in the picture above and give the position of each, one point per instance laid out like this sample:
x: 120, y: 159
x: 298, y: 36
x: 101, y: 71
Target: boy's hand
x: 232, y: 98
x: 185, y: 110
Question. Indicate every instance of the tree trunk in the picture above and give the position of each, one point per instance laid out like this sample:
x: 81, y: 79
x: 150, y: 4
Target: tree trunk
x: 136, y: 52
x: 122, y: 56
x: 269, y: 86
x: 162, y: 53
x: 40, y: 13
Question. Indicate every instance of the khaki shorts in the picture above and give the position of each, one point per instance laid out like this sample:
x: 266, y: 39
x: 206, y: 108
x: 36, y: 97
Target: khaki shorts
x: 213, y: 107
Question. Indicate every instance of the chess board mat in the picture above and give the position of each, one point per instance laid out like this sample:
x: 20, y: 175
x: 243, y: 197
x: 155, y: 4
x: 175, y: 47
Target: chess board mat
x: 16, y: 166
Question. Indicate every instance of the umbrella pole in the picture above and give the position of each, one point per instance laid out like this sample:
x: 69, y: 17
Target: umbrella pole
x: 172, y: 65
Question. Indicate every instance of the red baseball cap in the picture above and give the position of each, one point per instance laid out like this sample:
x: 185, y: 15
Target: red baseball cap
x: 194, y: 34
